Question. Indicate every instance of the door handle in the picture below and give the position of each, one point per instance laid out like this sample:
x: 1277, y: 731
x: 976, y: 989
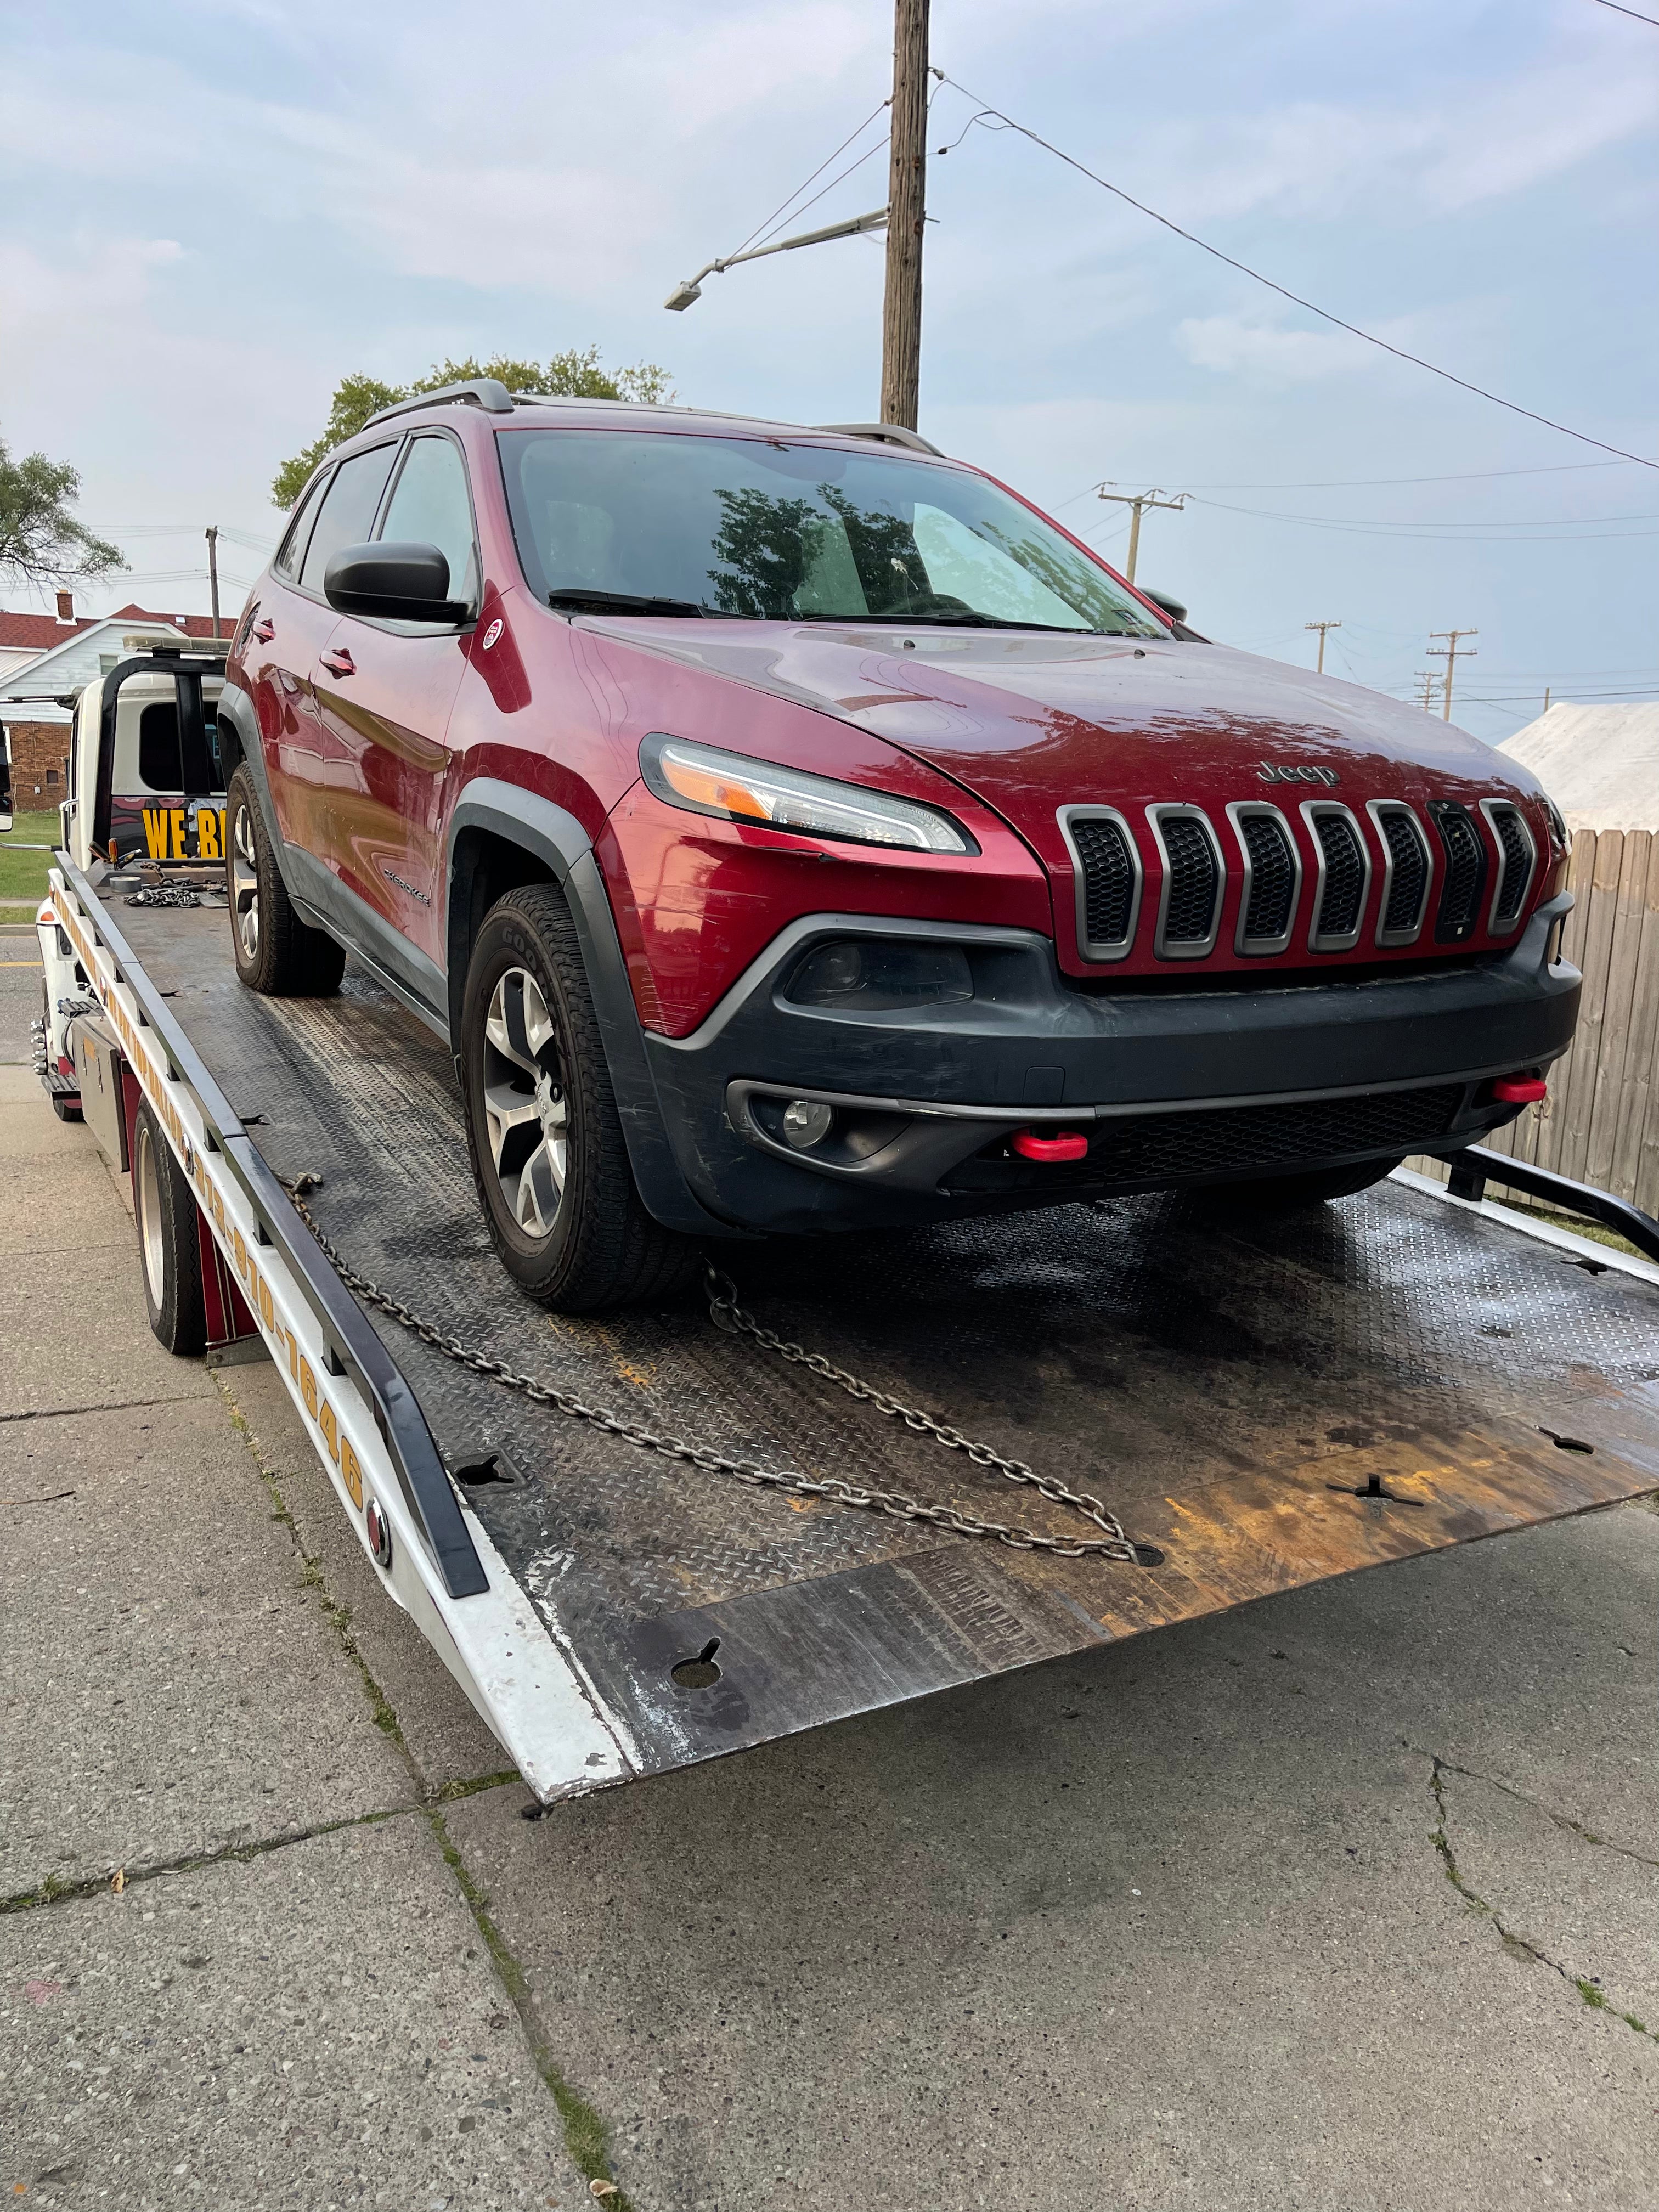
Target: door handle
x: 340, y: 663
x: 264, y: 629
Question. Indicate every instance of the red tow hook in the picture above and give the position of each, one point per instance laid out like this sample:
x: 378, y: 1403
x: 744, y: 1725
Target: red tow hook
x: 1519, y: 1089
x: 1064, y: 1146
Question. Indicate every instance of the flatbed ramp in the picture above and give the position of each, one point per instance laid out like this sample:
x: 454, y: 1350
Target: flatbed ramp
x: 1267, y: 1406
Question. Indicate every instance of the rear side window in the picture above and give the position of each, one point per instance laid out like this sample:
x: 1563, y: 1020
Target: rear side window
x: 293, y: 547
x: 429, y: 506
x: 160, y: 758
x: 347, y: 514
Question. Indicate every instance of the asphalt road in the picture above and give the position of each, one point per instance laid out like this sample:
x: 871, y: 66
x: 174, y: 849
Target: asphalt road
x: 1344, y: 1900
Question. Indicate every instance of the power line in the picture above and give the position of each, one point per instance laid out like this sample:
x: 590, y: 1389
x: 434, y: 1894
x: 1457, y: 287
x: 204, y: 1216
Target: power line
x: 795, y: 214
x: 1370, y: 484
x: 780, y: 212
x: 1449, y: 534
x: 1634, y: 14
x: 1461, y: 476
x: 1580, y: 696
x: 1381, y: 522
x: 1295, y: 298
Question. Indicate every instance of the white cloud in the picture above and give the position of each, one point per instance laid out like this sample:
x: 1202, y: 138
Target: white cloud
x: 1321, y: 161
x: 1233, y: 346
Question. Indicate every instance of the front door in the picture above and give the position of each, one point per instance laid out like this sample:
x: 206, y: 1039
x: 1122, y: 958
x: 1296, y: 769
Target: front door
x: 386, y: 691
x: 290, y: 630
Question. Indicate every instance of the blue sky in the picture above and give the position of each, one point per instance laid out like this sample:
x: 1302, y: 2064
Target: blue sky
x: 209, y: 212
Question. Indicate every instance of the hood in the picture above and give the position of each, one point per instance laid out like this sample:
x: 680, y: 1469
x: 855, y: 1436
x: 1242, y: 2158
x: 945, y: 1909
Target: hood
x: 1030, y: 722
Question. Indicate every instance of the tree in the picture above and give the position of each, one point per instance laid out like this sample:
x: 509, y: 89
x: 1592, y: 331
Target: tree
x: 573, y: 374
x: 40, y: 541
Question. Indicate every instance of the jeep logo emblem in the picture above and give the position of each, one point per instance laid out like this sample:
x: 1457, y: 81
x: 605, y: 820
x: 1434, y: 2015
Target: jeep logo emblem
x: 1271, y: 772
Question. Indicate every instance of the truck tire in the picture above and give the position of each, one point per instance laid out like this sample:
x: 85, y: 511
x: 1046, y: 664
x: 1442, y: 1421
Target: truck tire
x: 169, y: 1250
x: 548, y: 1151
x: 1291, y: 1194
x: 276, y: 953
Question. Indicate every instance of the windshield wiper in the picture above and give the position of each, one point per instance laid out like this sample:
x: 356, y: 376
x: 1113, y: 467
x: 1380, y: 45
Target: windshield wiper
x: 577, y: 599
x: 969, y: 621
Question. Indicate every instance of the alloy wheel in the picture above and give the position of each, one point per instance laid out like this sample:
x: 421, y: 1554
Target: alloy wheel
x: 526, y: 1115
x: 244, y: 885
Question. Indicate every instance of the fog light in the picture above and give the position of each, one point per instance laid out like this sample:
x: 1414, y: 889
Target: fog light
x: 807, y: 1123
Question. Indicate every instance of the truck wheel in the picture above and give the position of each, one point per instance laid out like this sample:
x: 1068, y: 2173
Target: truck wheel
x: 276, y: 952
x: 1290, y: 1193
x: 548, y: 1150
x: 169, y: 1252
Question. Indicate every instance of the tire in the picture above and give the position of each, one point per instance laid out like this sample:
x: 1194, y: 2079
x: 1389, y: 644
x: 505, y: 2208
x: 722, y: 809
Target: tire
x: 276, y: 953
x: 169, y: 1251
x: 1292, y: 1194
x: 548, y: 1152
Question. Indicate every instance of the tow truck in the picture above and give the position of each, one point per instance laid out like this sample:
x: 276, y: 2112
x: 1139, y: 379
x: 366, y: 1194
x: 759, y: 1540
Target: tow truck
x: 646, y: 1541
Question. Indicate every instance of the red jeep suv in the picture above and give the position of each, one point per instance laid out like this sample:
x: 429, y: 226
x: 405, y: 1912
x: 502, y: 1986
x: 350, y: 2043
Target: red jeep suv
x: 791, y: 829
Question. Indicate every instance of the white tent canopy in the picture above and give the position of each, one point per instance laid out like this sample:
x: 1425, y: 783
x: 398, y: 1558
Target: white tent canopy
x: 1600, y: 764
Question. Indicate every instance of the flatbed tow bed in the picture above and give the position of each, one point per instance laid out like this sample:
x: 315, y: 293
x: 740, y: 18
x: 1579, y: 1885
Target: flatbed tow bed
x: 1263, y: 1406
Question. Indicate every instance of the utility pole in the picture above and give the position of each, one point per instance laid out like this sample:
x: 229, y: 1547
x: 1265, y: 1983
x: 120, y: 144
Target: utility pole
x: 1546, y: 698
x: 907, y: 194
x: 1428, y: 679
x: 213, y: 575
x: 1321, y: 628
x: 1136, y: 505
x: 1451, y: 652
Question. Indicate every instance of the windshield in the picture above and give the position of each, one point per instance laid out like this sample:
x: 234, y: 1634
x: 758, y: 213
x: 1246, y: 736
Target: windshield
x: 778, y: 531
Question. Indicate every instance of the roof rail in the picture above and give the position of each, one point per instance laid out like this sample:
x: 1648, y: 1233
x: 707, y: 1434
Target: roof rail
x: 486, y: 392
x: 890, y: 434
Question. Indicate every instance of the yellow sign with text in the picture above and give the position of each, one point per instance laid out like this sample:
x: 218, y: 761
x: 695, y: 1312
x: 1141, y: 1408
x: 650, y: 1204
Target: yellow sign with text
x: 185, y: 833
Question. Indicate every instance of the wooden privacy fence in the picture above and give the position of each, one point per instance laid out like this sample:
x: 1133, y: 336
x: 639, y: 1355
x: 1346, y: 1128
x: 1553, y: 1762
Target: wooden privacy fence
x: 1600, y: 1123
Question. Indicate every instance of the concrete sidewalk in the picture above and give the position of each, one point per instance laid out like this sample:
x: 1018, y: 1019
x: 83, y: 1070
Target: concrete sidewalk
x: 1347, y: 1900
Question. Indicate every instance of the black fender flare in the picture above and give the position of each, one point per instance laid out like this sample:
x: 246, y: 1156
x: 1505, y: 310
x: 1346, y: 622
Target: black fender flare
x: 557, y: 840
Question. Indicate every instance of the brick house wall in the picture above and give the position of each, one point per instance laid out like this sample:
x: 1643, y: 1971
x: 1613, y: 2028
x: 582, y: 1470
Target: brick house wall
x: 40, y: 763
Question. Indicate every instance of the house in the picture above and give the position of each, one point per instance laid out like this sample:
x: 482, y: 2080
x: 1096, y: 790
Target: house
x: 1600, y: 764
x: 45, y: 659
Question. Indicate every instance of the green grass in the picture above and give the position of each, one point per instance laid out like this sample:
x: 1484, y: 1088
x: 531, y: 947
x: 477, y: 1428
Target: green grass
x: 23, y: 875
x: 1576, y: 1222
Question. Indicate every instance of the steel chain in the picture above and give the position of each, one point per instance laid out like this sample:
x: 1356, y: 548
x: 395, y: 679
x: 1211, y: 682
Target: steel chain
x: 164, y: 895
x: 727, y: 1315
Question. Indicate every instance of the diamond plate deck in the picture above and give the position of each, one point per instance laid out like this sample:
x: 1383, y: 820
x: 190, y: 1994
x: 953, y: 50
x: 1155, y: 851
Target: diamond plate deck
x: 1226, y: 1389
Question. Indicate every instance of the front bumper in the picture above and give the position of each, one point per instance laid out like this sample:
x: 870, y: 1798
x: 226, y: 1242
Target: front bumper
x: 1175, y: 1086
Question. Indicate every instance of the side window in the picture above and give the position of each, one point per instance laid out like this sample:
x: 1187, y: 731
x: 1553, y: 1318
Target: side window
x: 429, y: 507
x: 346, y: 513
x: 291, y: 552
x: 160, y: 758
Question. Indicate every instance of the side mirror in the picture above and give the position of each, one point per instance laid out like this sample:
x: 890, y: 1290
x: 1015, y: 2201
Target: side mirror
x: 392, y: 583
x: 1173, y: 608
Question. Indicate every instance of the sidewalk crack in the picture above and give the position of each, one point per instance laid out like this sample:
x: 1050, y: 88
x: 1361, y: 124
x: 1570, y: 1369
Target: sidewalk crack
x: 105, y: 1406
x: 52, y: 1890
x: 587, y: 2135
x: 1590, y: 1988
x: 1563, y: 1820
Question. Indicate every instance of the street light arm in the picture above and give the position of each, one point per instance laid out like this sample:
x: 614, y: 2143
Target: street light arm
x: 684, y: 294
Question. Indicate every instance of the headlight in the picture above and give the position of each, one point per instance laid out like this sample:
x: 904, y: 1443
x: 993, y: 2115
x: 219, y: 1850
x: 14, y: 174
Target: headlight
x: 734, y: 789
x: 1558, y: 826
